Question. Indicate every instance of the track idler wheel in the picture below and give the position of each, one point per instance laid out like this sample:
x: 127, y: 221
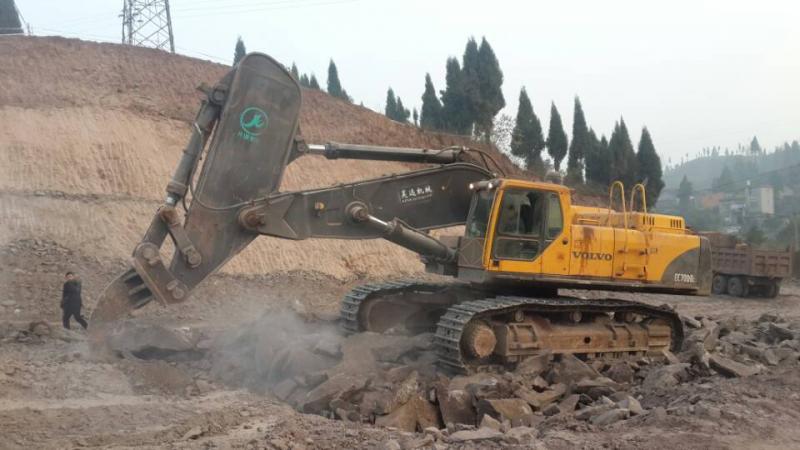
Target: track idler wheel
x: 478, y: 340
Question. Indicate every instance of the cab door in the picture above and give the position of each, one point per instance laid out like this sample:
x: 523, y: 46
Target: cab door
x: 519, y: 231
x: 555, y: 253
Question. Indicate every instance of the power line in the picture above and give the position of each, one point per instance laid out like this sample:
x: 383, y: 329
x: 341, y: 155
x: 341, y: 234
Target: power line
x: 273, y: 8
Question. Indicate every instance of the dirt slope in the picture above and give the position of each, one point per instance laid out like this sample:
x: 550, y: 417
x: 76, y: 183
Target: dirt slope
x: 90, y: 134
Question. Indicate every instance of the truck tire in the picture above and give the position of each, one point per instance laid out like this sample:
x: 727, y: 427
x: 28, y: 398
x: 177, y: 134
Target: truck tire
x: 773, y: 289
x: 737, y: 287
x: 719, y: 284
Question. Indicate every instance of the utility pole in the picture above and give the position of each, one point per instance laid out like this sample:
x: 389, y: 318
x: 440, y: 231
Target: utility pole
x: 147, y: 23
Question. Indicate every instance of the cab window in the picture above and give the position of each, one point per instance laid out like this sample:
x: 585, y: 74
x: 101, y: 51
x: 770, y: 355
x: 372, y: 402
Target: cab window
x: 555, y: 220
x: 519, y: 224
x: 479, y: 214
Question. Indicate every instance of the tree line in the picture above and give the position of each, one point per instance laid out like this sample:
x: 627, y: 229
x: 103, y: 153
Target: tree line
x: 334, y: 85
x: 473, y: 97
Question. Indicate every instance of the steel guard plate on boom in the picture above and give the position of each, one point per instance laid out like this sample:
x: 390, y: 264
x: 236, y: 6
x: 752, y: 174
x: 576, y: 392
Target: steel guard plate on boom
x: 256, y: 108
x: 245, y: 161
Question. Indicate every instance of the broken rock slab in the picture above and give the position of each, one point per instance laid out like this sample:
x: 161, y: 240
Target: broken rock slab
x: 730, y: 368
x: 539, y: 400
x: 416, y: 414
x: 533, y: 366
x: 570, y: 370
x: 455, y: 405
x: 318, y: 399
x: 137, y: 336
x: 481, y: 434
x: 609, y: 417
x: 665, y: 376
x: 515, y: 410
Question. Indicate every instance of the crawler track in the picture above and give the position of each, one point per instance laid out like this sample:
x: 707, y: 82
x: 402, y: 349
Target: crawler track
x: 451, y: 325
x: 353, y: 301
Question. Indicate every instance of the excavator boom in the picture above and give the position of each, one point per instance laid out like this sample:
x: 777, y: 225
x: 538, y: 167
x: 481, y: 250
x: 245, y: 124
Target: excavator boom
x: 251, y: 120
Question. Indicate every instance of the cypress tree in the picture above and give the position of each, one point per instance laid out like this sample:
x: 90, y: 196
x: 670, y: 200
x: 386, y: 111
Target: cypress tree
x: 304, y: 81
x: 431, y: 114
x: 580, y: 146
x: 755, y: 147
x: 605, y: 161
x: 526, y: 138
x: 401, y: 113
x: 650, y: 172
x: 294, y: 71
x: 490, y: 93
x: 725, y: 182
x: 598, y: 161
x: 556, y: 138
x: 455, y: 116
x: 685, y: 191
x: 239, y: 51
x: 313, y: 83
x: 623, y: 158
x: 391, y: 105
x: 470, y: 78
x: 334, y: 85
x: 415, y: 115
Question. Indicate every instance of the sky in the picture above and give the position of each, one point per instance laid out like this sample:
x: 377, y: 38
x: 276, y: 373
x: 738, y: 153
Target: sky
x: 697, y: 73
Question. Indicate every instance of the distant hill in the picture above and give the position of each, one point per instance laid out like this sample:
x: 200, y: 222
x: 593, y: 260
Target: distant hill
x: 92, y: 132
x: 702, y: 171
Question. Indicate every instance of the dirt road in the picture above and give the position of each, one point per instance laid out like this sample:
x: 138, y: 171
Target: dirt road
x: 54, y: 395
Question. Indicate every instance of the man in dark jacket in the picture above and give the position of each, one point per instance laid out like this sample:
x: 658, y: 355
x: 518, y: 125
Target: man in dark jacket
x: 71, y: 300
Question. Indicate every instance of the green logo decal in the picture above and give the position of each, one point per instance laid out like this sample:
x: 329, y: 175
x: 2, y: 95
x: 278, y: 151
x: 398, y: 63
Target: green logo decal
x: 253, y: 121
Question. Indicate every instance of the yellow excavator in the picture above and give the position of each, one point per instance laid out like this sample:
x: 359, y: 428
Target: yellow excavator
x: 522, y: 240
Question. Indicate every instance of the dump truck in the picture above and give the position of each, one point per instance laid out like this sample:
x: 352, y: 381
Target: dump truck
x: 522, y: 241
x: 742, y: 270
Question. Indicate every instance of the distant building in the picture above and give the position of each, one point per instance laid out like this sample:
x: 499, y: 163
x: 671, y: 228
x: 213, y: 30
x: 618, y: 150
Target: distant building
x: 710, y: 200
x: 9, y: 18
x: 761, y: 200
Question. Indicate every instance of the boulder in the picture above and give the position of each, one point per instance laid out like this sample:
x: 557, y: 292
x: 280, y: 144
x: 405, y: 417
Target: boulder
x: 595, y: 388
x: 521, y: 435
x: 533, y: 366
x: 485, y: 379
x: 691, y: 322
x: 711, y: 329
x: 569, y: 403
x: 455, y: 405
x: 490, y: 422
x: 515, y: 410
x: 609, y: 417
x: 318, y: 399
x: 730, y: 368
x: 538, y: 400
x: 570, y: 370
x: 403, y: 418
x: 778, y: 333
x: 551, y: 410
x: 665, y: 376
x: 631, y: 404
x: 621, y: 372
x: 137, y: 337
x: 592, y: 411
x: 481, y: 434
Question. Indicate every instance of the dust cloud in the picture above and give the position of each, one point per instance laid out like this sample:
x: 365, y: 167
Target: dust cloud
x: 275, y: 347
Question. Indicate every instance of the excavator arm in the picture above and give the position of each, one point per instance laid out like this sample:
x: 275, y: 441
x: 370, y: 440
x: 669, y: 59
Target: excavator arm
x: 251, y: 120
